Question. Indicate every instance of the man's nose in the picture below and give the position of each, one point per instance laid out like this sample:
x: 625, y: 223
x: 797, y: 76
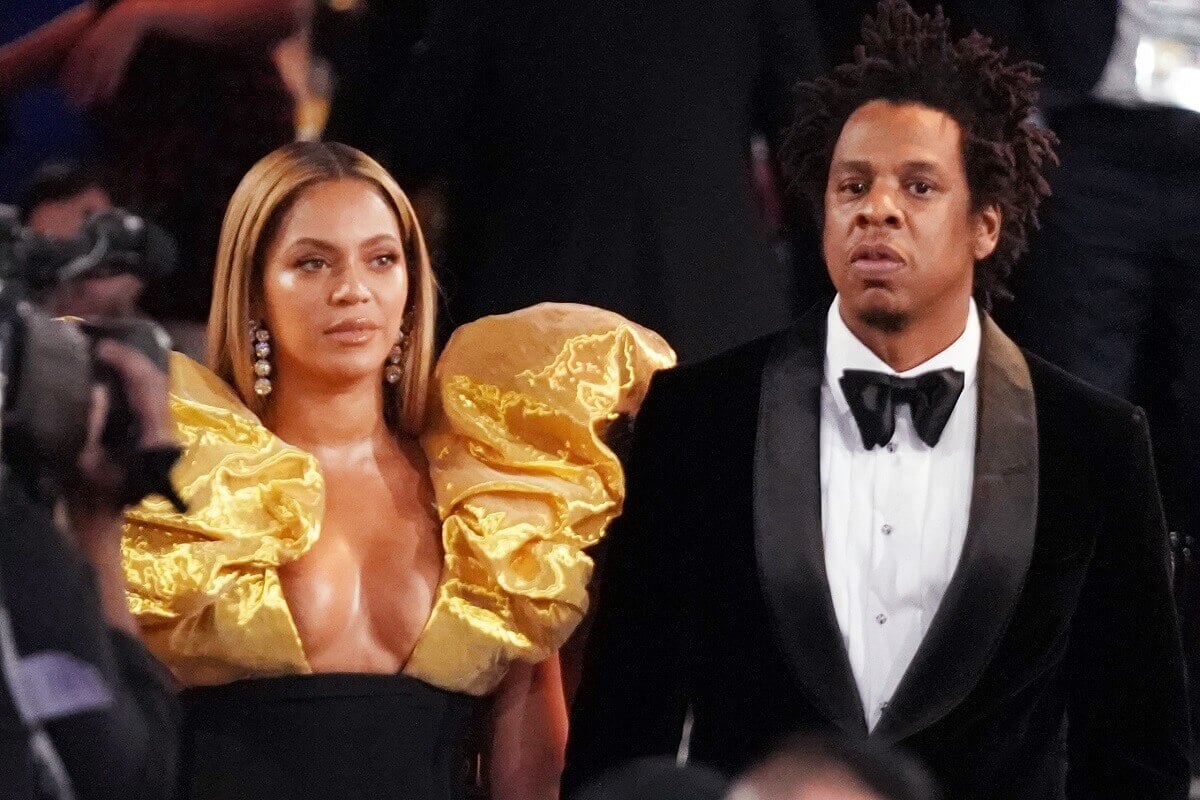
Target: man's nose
x: 879, y: 208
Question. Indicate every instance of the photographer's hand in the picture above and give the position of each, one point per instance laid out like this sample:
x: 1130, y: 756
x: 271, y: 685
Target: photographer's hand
x: 94, y: 503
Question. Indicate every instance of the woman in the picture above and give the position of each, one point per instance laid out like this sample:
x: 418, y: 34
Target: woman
x: 331, y: 647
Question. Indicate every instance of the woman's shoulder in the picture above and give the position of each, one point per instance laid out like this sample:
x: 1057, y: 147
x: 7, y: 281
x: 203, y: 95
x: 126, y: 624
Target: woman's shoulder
x: 203, y: 583
x: 574, y: 357
x: 524, y: 480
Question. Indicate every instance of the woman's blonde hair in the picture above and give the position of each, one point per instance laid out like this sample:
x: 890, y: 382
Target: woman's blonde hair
x: 251, y: 222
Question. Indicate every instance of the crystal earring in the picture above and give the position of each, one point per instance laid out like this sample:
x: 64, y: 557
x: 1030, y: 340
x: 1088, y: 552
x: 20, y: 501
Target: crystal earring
x: 393, y: 372
x: 262, y: 367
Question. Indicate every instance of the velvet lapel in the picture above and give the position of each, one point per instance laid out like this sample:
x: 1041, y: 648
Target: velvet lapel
x: 979, y: 601
x: 787, y: 523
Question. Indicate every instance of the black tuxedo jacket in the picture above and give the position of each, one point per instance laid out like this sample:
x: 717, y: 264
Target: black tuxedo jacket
x: 1059, y: 617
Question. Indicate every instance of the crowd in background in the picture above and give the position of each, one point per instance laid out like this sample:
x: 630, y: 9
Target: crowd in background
x: 623, y: 155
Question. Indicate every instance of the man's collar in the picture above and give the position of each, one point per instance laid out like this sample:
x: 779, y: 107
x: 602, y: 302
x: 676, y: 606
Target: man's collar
x: 843, y: 350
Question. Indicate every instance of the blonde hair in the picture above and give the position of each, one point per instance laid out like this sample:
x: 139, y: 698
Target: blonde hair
x: 251, y: 222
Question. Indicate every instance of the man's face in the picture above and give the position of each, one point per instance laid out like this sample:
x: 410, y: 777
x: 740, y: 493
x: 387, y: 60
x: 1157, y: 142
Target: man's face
x: 900, y: 238
x: 63, y: 218
x: 102, y: 296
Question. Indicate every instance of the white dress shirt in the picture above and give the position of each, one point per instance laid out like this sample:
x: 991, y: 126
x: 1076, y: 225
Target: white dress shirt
x: 893, y: 518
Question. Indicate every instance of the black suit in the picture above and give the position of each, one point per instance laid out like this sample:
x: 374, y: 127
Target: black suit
x: 598, y: 152
x: 715, y: 596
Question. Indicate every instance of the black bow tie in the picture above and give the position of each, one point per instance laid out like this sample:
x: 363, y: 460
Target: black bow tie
x: 873, y: 397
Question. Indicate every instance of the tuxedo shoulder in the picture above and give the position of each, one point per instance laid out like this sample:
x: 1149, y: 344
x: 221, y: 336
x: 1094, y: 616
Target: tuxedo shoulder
x: 730, y: 368
x: 1058, y: 392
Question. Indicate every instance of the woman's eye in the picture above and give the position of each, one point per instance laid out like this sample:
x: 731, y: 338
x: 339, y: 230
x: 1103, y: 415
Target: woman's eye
x: 311, y: 264
x: 384, y: 260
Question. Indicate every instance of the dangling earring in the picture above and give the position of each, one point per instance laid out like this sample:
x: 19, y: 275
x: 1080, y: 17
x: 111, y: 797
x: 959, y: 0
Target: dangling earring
x: 261, y: 338
x: 393, y: 372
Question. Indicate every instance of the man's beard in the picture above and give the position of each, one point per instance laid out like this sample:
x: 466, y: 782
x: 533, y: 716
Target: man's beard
x: 883, y: 320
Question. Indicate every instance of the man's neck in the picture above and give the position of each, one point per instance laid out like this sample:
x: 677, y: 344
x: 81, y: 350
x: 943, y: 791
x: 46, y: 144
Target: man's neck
x: 914, y: 343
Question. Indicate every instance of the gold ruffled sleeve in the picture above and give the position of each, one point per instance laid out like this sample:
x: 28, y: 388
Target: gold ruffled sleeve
x: 524, y: 481
x: 204, y: 585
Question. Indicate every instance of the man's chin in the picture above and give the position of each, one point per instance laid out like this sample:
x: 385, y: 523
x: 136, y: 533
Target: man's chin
x: 884, y: 320
x: 879, y: 309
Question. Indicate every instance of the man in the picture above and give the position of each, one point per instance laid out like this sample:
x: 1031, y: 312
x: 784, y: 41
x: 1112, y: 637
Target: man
x: 85, y: 710
x: 888, y: 521
x: 808, y: 768
x: 59, y: 199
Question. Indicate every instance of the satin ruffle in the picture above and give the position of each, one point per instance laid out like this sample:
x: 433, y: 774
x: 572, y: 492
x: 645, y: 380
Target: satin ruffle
x: 523, y: 481
x: 204, y: 585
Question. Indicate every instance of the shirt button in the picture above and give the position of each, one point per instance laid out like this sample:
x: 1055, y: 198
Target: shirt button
x: 886, y: 530
x: 882, y: 618
x: 891, y: 447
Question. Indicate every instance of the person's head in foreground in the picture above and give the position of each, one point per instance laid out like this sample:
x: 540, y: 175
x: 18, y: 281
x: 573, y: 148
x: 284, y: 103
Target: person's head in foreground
x: 655, y: 779
x: 835, y: 769
x: 925, y: 165
x: 323, y: 284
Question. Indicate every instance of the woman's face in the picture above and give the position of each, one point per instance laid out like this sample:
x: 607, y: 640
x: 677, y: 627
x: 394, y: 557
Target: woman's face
x: 335, y: 285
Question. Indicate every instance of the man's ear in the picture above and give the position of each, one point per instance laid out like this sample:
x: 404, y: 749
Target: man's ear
x: 987, y: 232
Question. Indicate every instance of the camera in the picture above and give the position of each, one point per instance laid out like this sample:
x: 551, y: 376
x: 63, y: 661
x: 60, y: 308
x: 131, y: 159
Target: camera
x: 47, y: 366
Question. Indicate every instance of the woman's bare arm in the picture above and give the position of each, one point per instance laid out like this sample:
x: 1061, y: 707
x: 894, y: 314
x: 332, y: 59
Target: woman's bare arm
x: 528, y: 733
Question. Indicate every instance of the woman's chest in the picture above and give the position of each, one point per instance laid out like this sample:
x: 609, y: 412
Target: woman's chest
x: 361, y: 596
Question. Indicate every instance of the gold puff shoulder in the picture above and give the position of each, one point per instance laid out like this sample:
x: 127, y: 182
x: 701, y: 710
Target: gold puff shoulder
x: 523, y: 480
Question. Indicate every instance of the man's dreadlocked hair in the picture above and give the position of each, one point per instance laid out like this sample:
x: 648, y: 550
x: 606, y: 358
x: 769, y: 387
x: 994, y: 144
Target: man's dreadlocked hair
x: 906, y: 58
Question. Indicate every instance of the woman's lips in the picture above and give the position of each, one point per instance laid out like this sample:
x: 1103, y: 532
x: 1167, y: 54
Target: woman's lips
x: 352, y: 331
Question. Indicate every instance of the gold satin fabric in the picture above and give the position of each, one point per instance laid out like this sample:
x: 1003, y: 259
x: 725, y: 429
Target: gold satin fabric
x: 204, y: 585
x: 523, y: 483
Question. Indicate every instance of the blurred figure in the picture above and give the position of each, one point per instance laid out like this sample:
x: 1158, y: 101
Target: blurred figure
x: 1111, y: 284
x: 599, y: 152
x: 59, y: 199
x: 85, y: 711
x: 835, y: 769
x: 655, y: 779
x: 186, y: 97
x: 41, y: 121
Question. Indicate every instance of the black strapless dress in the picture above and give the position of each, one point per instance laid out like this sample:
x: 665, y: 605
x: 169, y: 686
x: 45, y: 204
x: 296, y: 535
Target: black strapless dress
x: 329, y: 736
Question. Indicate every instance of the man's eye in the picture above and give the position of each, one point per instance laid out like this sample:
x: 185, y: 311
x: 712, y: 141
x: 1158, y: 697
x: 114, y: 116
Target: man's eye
x: 854, y: 187
x: 921, y: 188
